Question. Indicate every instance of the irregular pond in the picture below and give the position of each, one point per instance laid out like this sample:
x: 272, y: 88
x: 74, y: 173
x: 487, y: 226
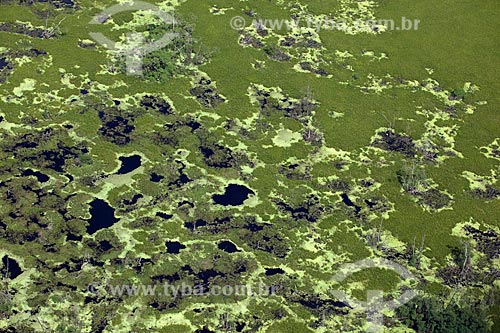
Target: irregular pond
x: 11, y: 268
x: 274, y: 271
x: 42, y: 178
x: 103, y: 216
x: 183, y: 179
x: 228, y: 247
x: 73, y: 237
x: 234, y: 195
x: 164, y: 215
x: 193, y: 225
x: 156, y: 178
x: 346, y: 200
x: 3, y: 63
x: 129, y: 164
x: 174, y: 247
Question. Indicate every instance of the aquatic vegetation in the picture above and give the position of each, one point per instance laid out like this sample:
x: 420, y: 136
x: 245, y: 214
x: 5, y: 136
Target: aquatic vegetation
x: 264, y: 156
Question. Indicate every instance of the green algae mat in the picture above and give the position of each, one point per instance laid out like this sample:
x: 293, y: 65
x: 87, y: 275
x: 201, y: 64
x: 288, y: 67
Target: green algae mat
x: 250, y: 166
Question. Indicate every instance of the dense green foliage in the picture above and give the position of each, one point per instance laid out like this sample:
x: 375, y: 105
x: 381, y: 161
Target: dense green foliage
x: 431, y: 315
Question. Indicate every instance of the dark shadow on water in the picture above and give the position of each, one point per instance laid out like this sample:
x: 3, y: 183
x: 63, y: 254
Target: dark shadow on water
x: 234, y: 195
x: 103, y: 216
x: 129, y: 164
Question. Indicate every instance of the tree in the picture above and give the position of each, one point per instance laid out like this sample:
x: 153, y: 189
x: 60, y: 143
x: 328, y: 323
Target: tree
x: 428, y: 314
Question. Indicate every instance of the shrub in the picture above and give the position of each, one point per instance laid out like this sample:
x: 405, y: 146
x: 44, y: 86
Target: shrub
x: 435, y: 199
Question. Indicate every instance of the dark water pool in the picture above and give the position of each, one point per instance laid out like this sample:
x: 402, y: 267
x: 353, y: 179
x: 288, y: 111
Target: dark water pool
x: 234, y: 195
x: 42, y: 178
x: 10, y: 268
x: 164, y: 216
x: 174, y: 247
x: 129, y: 164
x: 193, y: 225
x: 73, y: 237
x: 155, y: 178
x: 103, y: 216
x: 228, y: 247
x: 348, y: 202
x: 274, y: 271
x: 3, y: 62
